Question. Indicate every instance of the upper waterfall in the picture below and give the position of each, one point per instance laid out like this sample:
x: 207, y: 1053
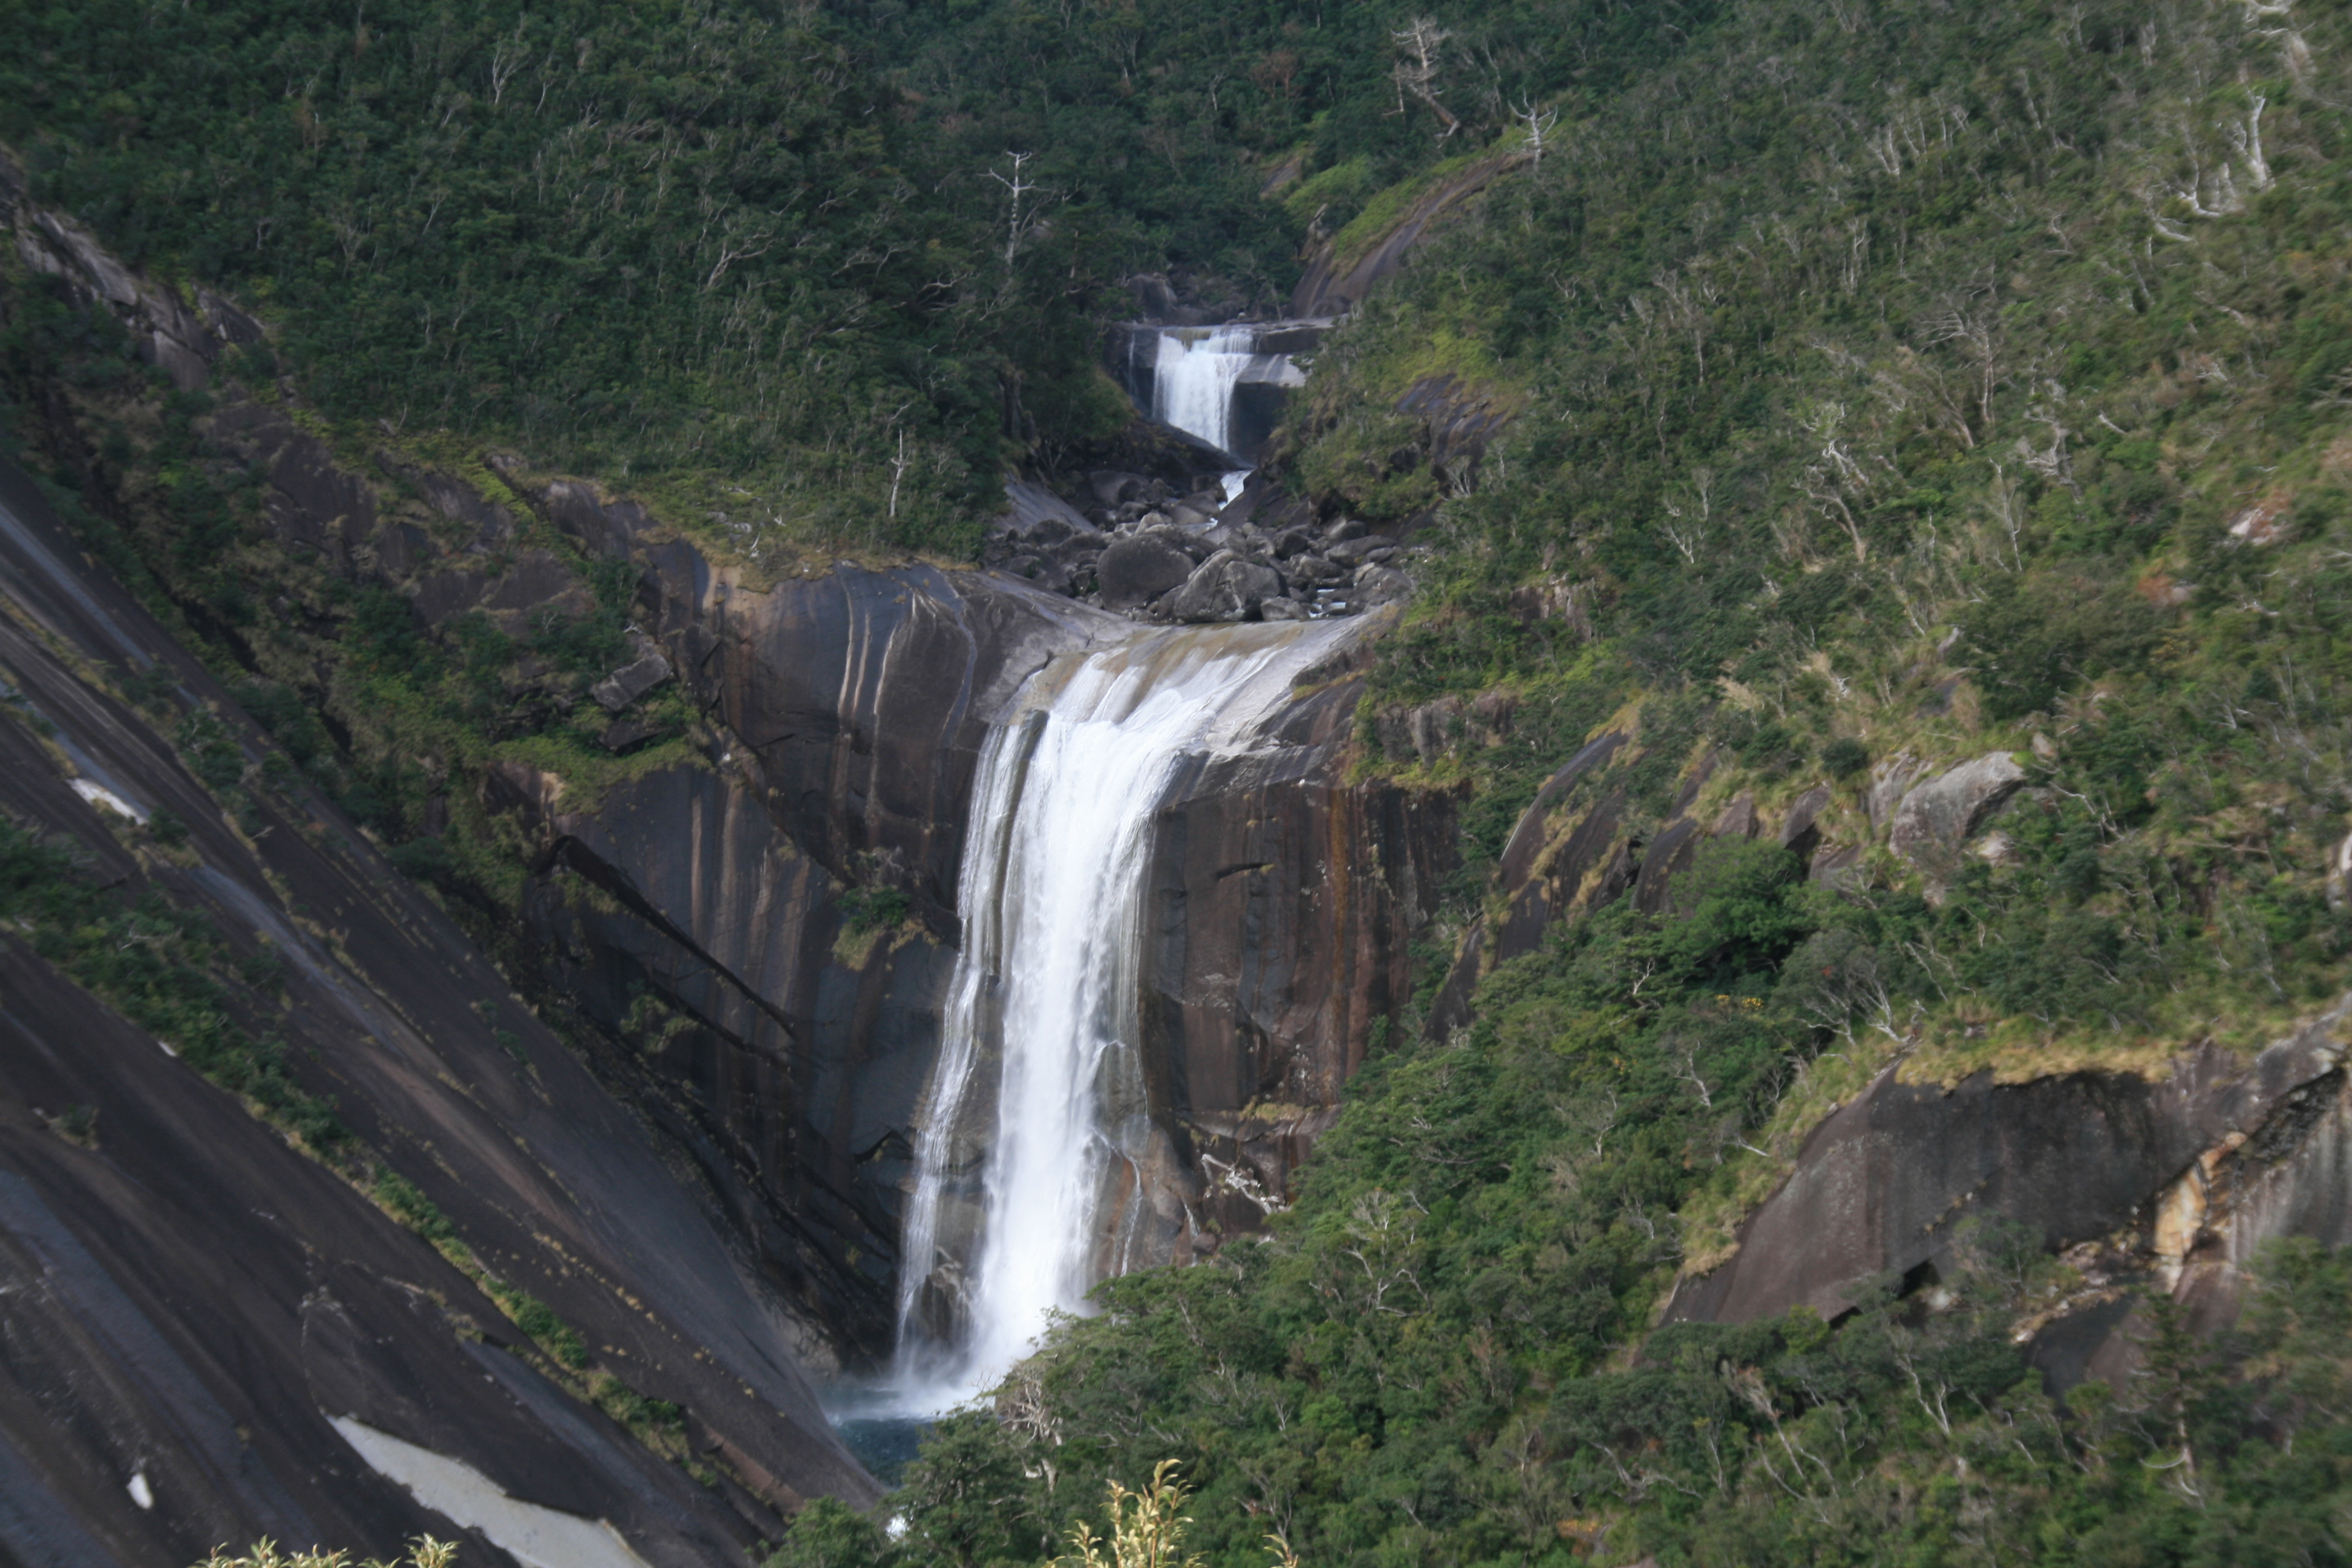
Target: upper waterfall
x: 1192, y: 379
x: 1037, y: 1127
x: 1199, y: 375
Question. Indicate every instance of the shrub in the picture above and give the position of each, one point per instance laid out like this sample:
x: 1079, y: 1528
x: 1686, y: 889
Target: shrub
x: 1845, y: 757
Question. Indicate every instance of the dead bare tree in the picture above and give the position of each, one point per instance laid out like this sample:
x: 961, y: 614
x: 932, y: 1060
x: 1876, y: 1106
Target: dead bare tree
x: 1971, y: 320
x: 505, y: 60
x: 1421, y: 42
x: 1016, y: 185
x: 1684, y: 1063
x: 1538, y: 122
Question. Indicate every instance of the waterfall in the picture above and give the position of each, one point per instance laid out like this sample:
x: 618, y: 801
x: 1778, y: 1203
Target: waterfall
x: 1193, y: 376
x: 1039, y: 1087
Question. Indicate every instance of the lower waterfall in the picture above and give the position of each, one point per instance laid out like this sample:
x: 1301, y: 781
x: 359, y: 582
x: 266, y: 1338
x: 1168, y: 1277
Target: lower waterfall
x: 1029, y: 1164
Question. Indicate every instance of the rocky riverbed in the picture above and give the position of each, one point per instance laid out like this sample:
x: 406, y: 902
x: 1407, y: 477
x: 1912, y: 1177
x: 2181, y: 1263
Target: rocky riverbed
x: 1150, y: 549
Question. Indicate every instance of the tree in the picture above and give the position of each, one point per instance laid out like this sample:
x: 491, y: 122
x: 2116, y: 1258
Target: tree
x: 1422, y: 43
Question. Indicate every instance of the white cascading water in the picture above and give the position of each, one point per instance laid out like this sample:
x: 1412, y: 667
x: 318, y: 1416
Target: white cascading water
x: 1193, y: 376
x: 1046, y: 986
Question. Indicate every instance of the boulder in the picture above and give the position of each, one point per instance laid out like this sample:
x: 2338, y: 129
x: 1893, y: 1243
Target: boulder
x: 1313, y: 571
x: 1889, y: 1182
x: 1377, y: 585
x: 1353, y: 552
x: 1739, y: 819
x: 631, y: 681
x: 1197, y: 545
x: 1137, y: 570
x: 1224, y: 587
x: 1938, y: 815
x: 1112, y: 488
x: 1282, y: 610
x: 1889, y: 780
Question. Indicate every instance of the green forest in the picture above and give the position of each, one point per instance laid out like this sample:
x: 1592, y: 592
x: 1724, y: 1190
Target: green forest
x: 1884, y: 377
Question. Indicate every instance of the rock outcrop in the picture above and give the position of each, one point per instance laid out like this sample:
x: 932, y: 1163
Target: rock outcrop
x: 1337, y: 281
x: 2167, y: 1184
x: 192, y: 1299
x: 1934, y: 819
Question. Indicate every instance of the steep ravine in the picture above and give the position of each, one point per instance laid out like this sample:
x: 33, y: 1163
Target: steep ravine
x: 741, y: 1039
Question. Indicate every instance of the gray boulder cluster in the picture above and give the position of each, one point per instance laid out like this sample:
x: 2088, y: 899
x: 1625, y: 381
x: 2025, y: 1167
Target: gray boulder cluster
x: 1154, y: 556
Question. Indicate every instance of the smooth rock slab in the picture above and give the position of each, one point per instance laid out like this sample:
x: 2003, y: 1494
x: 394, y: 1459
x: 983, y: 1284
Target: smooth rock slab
x: 1938, y: 815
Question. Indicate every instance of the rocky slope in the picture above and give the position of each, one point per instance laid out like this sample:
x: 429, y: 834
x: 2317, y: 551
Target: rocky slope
x: 195, y: 1298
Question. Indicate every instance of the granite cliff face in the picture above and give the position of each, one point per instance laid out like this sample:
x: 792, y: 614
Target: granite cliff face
x: 743, y: 939
x: 193, y: 1299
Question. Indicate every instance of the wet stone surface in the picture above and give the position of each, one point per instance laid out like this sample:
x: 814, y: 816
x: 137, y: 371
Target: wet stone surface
x: 1141, y: 547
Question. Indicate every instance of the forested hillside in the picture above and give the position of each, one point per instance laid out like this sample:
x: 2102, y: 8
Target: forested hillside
x: 1879, y: 385
x: 1892, y: 381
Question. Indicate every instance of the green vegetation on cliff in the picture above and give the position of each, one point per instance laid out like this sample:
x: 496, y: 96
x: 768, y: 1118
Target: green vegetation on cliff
x: 692, y: 247
x: 1427, y: 1361
x: 1926, y: 382
x: 1893, y: 382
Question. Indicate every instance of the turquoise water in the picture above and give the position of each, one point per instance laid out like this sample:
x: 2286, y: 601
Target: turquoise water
x: 885, y: 1445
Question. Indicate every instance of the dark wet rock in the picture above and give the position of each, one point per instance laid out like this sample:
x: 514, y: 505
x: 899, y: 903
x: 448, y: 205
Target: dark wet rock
x: 1313, y: 571
x: 129, y: 1357
x: 1887, y: 1185
x: 1838, y: 865
x: 1224, y: 587
x: 1428, y: 730
x: 1739, y: 819
x: 1135, y: 571
x: 1934, y: 817
x: 1801, y: 834
x: 1528, y: 838
x: 1273, y: 950
x: 1665, y: 859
